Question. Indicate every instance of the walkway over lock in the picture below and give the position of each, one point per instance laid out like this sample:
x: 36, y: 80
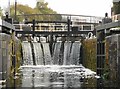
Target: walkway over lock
x: 57, y: 24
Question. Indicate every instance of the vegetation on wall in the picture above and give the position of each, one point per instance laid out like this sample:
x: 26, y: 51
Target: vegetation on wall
x: 89, y: 53
x: 89, y: 56
x: 14, y: 45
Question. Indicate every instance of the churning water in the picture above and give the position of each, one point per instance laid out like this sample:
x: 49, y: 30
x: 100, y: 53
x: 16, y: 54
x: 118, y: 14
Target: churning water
x: 55, y: 76
x: 60, y: 69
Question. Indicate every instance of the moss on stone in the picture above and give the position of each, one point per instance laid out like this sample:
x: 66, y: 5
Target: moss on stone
x: 89, y: 53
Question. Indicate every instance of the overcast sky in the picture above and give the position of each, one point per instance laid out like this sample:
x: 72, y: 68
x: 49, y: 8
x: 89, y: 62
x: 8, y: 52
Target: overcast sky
x: 79, y: 7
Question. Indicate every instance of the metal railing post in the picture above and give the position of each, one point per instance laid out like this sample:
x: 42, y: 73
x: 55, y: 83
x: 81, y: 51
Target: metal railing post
x: 100, y: 57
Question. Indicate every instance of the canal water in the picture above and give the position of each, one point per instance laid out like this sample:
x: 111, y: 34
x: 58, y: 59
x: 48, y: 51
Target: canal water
x: 55, y: 76
x: 56, y: 67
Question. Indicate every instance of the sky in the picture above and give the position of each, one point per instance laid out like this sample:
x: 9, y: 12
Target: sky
x: 77, y: 7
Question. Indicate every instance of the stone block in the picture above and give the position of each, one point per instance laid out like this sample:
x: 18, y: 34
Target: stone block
x: 114, y: 55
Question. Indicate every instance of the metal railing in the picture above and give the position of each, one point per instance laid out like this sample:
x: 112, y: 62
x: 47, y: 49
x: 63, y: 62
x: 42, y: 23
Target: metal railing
x: 62, y: 17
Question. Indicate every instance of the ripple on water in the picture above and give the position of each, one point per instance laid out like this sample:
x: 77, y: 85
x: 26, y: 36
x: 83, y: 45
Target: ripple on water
x: 55, y: 75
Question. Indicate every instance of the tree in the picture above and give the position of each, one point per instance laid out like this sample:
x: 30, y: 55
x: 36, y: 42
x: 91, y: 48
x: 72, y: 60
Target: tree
x: 43, y: 8
x: 22, y: 11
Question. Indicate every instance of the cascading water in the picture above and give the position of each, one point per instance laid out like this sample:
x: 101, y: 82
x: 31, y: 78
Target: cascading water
x: 56, y: 54
x: 75, y: 53
x: 61, y: 69
x: 70, y: 52
x: 38, y: 53
x: 46, y: 53
x: 27, y: 54
x: 67, y: 51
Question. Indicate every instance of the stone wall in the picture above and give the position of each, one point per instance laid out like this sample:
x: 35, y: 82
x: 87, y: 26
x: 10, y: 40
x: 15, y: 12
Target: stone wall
x: 89, y: 53
x: 111, y: 74
x: 4, y: 55
x: 6, y: 62
x: 113, y: 56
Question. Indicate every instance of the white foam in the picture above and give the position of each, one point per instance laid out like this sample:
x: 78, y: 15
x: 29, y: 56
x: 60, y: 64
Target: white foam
x: 70, y: 69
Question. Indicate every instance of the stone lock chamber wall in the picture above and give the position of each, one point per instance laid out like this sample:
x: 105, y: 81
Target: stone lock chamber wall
x: 113, y: 56
x: 6, y: 62
x: 89, y: 53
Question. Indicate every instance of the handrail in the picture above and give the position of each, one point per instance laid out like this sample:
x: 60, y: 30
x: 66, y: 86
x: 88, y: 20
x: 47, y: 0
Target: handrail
x: 83, y: 18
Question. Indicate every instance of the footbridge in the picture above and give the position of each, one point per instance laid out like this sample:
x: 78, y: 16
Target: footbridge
x: 57, y: 25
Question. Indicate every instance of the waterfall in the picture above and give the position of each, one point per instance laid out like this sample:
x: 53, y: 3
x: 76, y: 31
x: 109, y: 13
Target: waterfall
x: 27, y: 53
x: 55, y: 76
x: 64, y: 53
x: 46, y: 52
x: 38, y: 53
x: 56, y: 54
x: 75, y: 53
x: 67, y: 50
x: 60, y: 69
